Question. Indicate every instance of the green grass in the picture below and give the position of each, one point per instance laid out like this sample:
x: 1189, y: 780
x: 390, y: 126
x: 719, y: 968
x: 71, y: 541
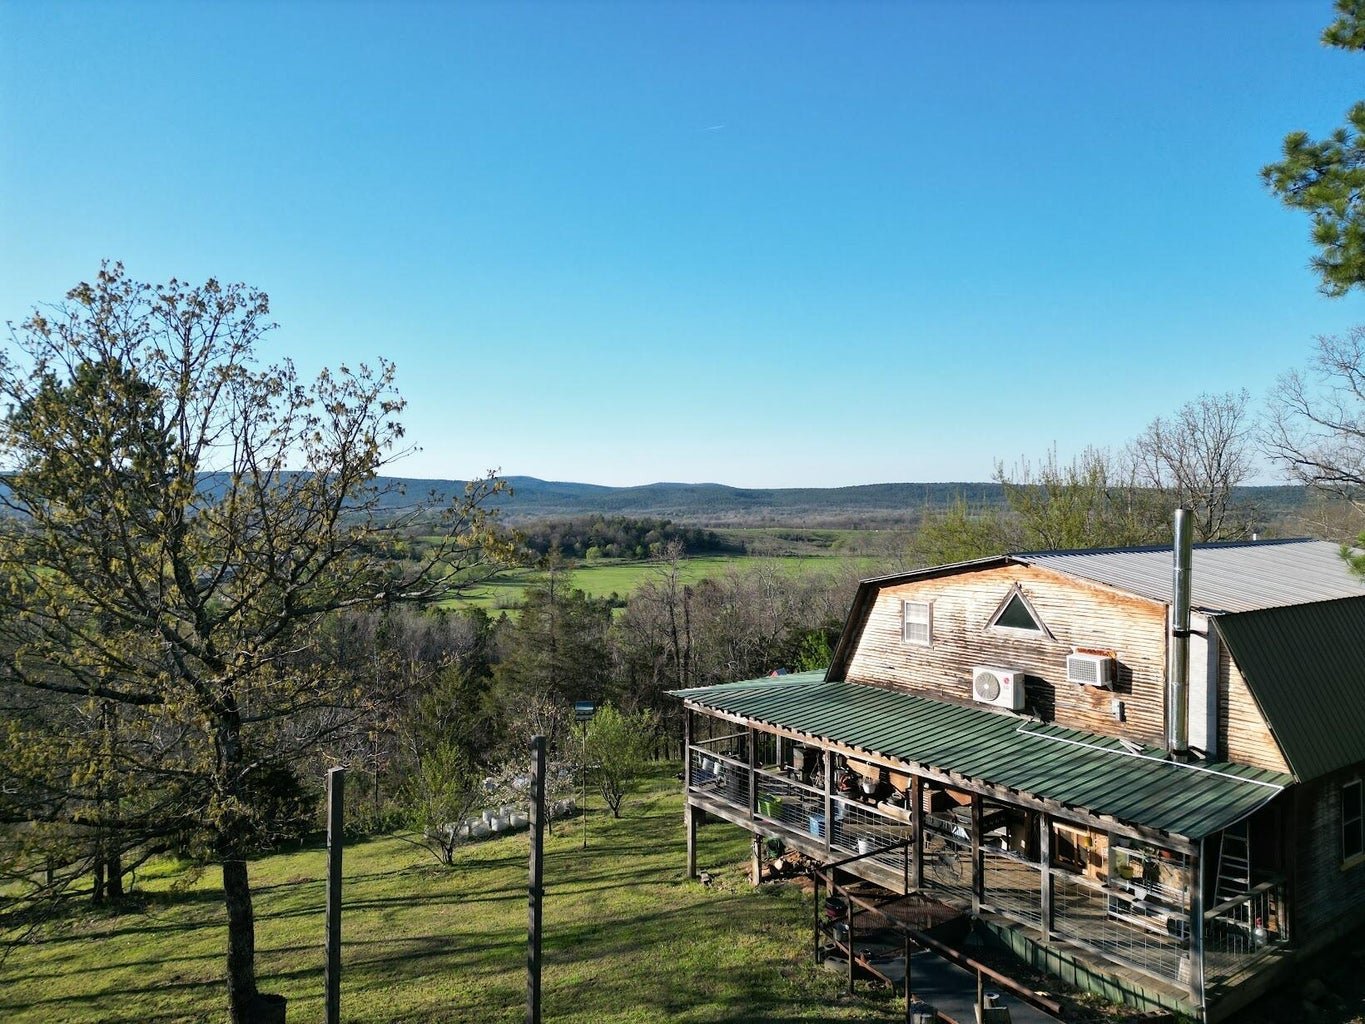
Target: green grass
x: 626, y: 938
x: 602, y: 579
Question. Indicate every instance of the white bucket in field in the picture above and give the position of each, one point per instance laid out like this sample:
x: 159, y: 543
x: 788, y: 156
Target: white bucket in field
x: 478, y: 829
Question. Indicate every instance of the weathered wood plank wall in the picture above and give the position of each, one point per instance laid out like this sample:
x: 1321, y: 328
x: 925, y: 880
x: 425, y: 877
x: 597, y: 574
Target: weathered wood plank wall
x: 1076, y: 613
x: 1243, y: 735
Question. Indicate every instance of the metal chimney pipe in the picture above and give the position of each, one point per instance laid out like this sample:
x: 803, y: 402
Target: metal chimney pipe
x: 1178, y: 669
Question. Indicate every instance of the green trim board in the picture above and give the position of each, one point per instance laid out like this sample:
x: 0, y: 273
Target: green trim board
x: 1097, y: 774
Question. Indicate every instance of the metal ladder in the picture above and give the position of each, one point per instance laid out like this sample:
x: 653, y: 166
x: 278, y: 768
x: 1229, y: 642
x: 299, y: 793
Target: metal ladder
x: 1234, y: 871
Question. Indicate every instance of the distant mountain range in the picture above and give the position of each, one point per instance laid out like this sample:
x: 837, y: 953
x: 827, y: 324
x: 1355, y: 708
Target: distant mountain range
x: 532, y: 498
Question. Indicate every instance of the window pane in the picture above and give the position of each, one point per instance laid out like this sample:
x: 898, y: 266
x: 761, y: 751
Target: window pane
x: 1352, y: 841
x: 917, y: 616
x: 1016, y: 616
x: 1350, y: 801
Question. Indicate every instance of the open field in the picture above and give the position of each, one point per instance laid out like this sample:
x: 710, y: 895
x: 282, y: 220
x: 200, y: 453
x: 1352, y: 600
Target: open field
x: 608, y: 577
x: 626, y: 939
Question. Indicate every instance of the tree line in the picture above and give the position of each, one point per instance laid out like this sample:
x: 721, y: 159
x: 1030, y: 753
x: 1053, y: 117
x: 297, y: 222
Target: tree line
x: 599, y: 536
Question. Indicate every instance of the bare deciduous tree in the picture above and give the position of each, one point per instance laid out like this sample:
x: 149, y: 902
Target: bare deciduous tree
x: 1197, y: 457
x: 1316, y: 421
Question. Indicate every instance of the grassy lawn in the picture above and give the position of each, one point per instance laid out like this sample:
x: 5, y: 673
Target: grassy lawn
x: 627, y: 940
x: 602, y: 579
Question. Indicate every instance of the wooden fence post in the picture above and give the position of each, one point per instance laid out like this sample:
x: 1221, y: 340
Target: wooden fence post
x: 535, y: 891
x: 336, y: 788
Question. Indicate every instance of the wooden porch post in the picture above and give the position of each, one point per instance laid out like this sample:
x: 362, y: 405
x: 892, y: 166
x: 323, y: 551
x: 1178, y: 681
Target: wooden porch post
x: 829, y: 800
x: 757, y: 859
x: 687, y: 750
x: 815, y: 879
x: 978, y: 875
x: 1045, y: 858
x: 753, y: 774
x: 689, y: 812
x: 1197, y: 931
x: 917, y: 824
x: 848, y: 918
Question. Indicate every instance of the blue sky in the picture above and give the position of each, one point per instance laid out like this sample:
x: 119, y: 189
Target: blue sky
x: 767, y: 244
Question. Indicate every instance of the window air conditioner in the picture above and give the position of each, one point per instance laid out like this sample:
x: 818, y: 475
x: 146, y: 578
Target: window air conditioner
x: 1090, y: 670
x: 998, y: 687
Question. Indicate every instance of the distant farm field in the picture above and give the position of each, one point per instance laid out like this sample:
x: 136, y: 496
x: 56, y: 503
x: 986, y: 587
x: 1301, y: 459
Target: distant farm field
x: 627, y: 940
x: 622, y: 578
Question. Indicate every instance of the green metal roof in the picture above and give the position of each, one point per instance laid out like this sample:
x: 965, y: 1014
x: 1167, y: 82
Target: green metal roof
x: 1305, y: 665
x: 1078, y: 769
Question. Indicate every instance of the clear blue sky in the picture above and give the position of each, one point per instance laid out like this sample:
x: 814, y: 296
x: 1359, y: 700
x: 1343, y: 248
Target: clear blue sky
x: 765, y: 244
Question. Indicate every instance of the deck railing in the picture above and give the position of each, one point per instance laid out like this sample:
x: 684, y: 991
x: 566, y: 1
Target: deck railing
x: 1240, y: 931
x: 1129, y: 924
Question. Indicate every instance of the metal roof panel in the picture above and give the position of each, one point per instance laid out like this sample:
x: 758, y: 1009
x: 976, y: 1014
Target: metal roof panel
x: 1047, y: 762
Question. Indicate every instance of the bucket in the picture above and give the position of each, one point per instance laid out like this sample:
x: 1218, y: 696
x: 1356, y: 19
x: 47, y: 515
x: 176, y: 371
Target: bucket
x: 815, y: 825
x: 770, y: 806
x: 866, y: 846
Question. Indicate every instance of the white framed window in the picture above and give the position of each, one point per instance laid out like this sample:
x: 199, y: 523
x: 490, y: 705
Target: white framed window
x: 917, y: 622
x: 1352, y: 822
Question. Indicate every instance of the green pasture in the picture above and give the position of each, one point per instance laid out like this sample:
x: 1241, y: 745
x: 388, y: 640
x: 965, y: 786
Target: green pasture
x: 607, y: 577
x: 627, y: 940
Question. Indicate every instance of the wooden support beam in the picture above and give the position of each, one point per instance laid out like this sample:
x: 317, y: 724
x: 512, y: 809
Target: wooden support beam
x: 828, y: 755
x: 978, y: 872
x: 753, y: 773
x: 917, y: 820
x: 687, y: 749
x: 1045, y: 857
x: 690, y: 830
x: 1197, y: 930
x: 848, y: 919
x: 815, y: 879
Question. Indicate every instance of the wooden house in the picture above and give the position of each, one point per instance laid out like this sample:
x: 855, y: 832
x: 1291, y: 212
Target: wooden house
x: 1167, y: 813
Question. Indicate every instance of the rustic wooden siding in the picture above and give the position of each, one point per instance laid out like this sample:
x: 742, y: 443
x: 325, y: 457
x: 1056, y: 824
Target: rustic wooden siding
x: 1326, y: 898
x: 1078, y: 614
x: 1243, y: 735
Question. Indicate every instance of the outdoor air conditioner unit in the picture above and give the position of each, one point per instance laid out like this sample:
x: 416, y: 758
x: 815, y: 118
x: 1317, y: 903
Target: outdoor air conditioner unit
x: 1090, y: 670
x: 998, y: 687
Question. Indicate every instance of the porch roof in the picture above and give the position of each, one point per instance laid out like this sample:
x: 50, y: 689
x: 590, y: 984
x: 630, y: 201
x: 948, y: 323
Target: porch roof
x: 1085, y: 771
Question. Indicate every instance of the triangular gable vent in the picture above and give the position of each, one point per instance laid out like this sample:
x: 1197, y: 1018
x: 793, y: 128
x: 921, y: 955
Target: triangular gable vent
x: 1017, y: 614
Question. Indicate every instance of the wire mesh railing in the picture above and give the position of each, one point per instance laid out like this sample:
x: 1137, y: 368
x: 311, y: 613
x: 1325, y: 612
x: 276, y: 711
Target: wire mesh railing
x: 947, y: 859
x: 1013, y: 886
x: 1120, y: 926
x: 1242, y: 930
x: 880, y: 838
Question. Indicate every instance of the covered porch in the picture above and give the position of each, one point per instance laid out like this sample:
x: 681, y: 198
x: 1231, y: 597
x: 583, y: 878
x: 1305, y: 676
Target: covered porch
x: 1077, y: 844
